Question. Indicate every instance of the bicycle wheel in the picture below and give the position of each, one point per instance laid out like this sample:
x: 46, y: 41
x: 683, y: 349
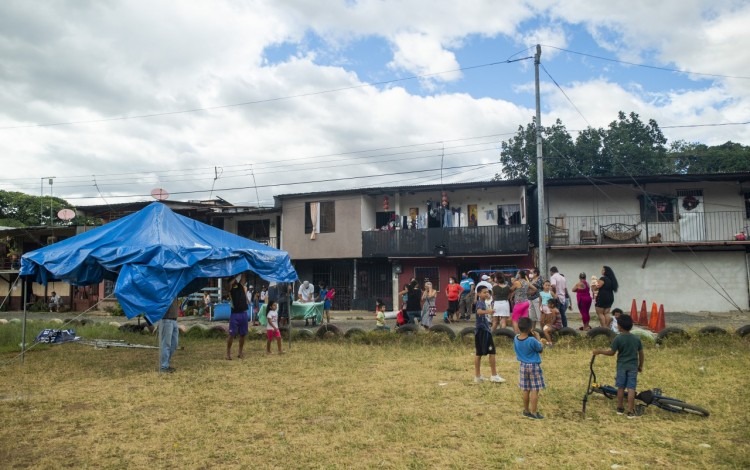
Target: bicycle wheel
x: 678, y: 406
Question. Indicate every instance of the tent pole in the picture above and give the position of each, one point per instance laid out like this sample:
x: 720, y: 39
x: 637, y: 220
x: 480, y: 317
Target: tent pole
x: 158, y: 351
x: 23, y: 328
x: 289, y: 311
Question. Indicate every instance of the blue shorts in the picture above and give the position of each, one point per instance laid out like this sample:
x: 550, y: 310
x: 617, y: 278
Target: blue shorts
x: 626, y: 379
x: 238, y: 324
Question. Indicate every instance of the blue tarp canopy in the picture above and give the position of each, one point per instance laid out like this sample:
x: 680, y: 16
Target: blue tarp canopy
x: 154, y: 254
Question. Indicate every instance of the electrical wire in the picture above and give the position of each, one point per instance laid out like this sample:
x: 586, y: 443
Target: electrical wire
x: 654, y: 67
x: 262, y: 101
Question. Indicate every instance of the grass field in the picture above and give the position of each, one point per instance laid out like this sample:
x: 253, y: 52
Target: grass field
x: 380, y: 401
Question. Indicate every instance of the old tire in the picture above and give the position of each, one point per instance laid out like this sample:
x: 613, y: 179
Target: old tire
x: 408, y: 329
x: 504, y: 332
x: 328, y: 330
x: 466, y: 332
x: 743, y: 331
x: 444, y: 330
x: 132, y: 327
x: 217, y: 331
x: 304, y: 333
x: 600, y: 331
x: 712, y: 330
x: 672, y: 331
x: 352, y: 332
x: 567, y: 331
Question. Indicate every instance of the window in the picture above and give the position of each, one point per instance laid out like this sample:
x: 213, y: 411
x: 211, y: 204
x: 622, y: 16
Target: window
x: 657, y: 209
x: 747, y: 205
x: 431, y: 274
x: 325, y: 217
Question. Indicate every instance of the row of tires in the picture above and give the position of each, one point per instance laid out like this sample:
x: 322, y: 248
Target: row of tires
x: 329, y: 330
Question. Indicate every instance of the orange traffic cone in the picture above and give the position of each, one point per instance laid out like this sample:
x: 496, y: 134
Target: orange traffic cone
x: 654, y: 320
x: 661, y: 324
x: 634, y: 312
x: 643, y: 319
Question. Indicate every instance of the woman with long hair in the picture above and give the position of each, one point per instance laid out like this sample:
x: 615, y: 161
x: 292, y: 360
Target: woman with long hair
x: 605, y: 297
x: 583, y: 298
x: 428, y: 305
x: 520, y: 291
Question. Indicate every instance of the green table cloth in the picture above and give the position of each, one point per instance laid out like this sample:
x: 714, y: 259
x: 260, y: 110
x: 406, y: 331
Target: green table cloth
x: 300, y: 311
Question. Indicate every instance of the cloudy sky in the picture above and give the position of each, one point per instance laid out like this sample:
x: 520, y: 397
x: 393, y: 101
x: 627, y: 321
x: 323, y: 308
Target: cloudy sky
x: 247, y: 99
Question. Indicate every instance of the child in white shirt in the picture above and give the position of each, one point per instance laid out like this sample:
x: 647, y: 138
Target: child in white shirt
x: 272, y: 327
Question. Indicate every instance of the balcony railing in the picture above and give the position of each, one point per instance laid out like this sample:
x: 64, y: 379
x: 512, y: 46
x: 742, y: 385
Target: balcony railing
x: 454, y: 241
x: 688, y: 228
x: 272, y: 241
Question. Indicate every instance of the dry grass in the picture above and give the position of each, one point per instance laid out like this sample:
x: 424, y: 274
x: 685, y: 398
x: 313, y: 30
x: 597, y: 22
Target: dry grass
x: 406, y: 403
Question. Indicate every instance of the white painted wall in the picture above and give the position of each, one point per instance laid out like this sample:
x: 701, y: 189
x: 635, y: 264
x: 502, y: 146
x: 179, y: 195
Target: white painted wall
x: 588, y: 207
x: 667, y: 278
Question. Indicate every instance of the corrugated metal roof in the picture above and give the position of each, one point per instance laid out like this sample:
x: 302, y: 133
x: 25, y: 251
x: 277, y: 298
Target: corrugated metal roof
x: 410, y: 188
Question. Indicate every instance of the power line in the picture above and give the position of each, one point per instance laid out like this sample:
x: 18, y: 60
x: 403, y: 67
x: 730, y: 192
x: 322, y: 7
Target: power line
x: 266, y: 100
x: 655, y: 67
x: 329, y: 180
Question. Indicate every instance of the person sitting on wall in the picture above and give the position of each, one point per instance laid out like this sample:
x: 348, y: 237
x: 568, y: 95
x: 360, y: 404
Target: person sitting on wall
x: 55, y: 301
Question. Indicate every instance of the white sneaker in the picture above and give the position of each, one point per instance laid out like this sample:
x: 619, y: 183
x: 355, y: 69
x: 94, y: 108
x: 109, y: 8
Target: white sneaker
x: 479, y: 379
x: 497, y: 379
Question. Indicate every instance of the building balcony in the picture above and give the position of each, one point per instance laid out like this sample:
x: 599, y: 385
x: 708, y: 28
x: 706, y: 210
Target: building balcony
x: 452, y: 241
x: 692, y: 228
x: 273, y: 242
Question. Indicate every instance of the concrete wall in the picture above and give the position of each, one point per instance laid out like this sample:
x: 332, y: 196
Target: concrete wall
x: 668, y: 277
x: 345, y: 242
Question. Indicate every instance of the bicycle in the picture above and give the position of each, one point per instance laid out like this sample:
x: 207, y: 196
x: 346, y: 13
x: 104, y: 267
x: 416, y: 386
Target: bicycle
x: 649, y: 397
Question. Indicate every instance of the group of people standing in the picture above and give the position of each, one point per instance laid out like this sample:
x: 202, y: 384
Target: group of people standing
x: 545, y: 302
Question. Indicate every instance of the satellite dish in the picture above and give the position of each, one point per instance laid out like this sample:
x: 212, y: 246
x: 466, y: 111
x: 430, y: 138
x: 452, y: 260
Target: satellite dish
x: 66, y: 214
x: 160, y: 194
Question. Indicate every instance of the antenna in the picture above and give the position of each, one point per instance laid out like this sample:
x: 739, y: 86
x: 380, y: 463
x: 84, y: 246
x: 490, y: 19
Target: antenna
x: 160, y: 194
x: 66, y: 214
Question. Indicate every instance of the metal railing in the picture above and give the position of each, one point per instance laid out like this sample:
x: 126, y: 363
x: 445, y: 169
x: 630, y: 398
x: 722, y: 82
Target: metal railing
x: 271, y: 241
x: 684, y: 228
x: 453, y: 241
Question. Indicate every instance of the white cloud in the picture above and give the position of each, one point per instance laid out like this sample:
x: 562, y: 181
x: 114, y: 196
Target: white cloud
x: 87, y: 61
x: 423, y: 55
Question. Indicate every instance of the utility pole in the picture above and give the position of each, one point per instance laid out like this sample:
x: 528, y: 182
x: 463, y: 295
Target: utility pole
x: 542, y: 221
x: 50, y: 200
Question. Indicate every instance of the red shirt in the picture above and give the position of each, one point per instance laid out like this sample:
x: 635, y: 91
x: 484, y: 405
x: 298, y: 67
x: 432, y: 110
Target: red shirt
x: 453, y: 291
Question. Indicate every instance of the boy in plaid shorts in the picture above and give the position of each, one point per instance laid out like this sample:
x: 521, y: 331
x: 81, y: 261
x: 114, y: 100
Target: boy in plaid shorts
x: 530, y: 379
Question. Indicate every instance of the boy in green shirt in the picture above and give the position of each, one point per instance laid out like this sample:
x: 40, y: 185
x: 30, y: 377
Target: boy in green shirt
x: 629, y: 362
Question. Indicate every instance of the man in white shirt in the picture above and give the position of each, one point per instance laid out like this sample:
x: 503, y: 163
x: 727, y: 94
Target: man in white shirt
x: 485, y: 282
x: 560, y: 288
x: 306, y: 292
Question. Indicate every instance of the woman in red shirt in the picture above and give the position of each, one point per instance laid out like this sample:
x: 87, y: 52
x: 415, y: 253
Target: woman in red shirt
x: 453, y: 291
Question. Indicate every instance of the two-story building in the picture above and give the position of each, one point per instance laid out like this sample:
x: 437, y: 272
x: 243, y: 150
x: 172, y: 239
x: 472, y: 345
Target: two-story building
x: 677, y: 240
x: 367, y: 243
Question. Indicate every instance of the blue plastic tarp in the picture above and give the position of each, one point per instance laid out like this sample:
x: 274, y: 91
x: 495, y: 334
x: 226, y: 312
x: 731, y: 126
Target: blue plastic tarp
x: 153, y: 254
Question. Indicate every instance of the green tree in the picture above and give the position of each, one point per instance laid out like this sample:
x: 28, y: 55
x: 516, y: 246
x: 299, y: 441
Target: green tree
x: 22, y: 210
x: 696, y: 158
x: 627, y: 147
x: 631, y: 147
x: 518, y: 154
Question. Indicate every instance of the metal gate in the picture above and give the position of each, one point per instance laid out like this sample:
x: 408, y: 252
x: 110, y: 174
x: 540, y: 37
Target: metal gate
x: 373, y: 282
x: 337, y: 275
